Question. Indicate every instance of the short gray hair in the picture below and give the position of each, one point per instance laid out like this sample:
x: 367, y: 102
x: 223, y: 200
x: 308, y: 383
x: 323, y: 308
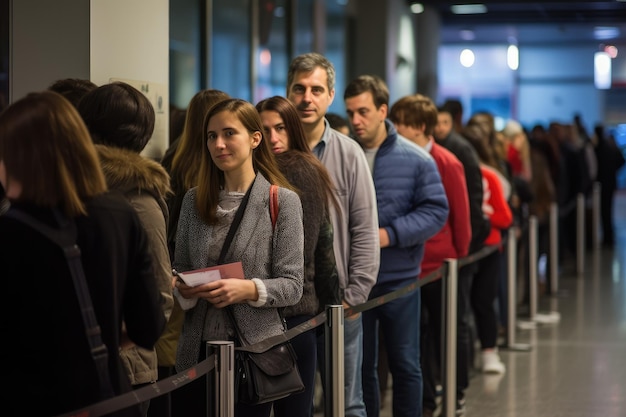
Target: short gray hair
x: 307, y: 63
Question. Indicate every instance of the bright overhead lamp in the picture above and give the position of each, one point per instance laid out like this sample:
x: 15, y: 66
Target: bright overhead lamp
x: 468, y: 9
x: 605, y: 32
x: 602, y: 70
x: 417, y: 8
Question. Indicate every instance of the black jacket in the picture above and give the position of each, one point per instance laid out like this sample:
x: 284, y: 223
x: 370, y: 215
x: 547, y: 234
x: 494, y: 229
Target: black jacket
x: 45, y: 349
x: 464, y: 151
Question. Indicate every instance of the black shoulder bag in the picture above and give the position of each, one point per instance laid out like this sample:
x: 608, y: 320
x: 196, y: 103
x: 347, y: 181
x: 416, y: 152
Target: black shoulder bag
x: 270, y: 375
x: 66, y: 239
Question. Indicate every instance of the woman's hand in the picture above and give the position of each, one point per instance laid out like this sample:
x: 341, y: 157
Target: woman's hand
x: 222, y: 292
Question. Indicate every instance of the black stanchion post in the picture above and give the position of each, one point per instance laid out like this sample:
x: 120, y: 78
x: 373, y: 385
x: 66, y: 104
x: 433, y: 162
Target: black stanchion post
x: 221, y: 392
x: 511, y: 249
x: 532, y: 265
x: 554, y: 248
x: 580, y: 234
x: 532, y: 276
x: 595, y: 214
x: 334, y: 394
x: 449, y: 296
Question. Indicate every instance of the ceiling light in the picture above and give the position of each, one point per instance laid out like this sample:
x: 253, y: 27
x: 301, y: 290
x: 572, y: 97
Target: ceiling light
x: 605, y: 32
x: 417, y: 8
x: 512, y: 57
x: 468, y: 9
x: 467, y: 58
x: 602, y: 70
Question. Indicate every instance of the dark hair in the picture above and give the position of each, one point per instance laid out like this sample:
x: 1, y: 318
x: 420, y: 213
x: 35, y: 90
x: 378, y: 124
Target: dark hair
x: 478, y: 137
x: 297, y: 142
x: 212, y: 178
x: 336, y: 121
x: 307, y: 63
x: 188, y: 156
x: 415, y: 110
x: 46, y: 147
x: 118, y: 115
x: 177, y: 122
x: 369, y: 83
x: 454, y: 107
x: 73, y: 89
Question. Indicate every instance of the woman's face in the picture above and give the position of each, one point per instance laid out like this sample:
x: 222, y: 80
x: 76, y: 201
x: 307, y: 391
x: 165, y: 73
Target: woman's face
x: 229, y: 142
x: 275, y: 131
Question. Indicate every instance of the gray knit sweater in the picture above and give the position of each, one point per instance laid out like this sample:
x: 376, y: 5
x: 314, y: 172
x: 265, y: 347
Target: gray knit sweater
x: 277, y: 261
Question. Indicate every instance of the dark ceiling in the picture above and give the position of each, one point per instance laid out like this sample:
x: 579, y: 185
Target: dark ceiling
x: 533, y: 21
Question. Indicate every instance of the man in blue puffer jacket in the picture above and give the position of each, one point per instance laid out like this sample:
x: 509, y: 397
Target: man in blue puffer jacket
x: 412, y: 207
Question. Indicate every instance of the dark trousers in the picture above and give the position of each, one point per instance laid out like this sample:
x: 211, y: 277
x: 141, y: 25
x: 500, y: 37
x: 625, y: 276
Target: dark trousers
x: 305, y: 346
x: 483, y: 294
x: 161, y: 406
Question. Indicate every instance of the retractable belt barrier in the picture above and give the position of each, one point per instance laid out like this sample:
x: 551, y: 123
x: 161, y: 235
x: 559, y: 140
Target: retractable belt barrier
x: 171, y: 383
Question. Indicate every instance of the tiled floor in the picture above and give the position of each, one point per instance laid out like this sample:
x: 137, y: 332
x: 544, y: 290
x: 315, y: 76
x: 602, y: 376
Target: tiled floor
x: 576, y: 367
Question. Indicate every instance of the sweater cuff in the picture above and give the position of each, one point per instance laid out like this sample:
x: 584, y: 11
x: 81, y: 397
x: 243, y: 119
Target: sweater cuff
x: 260, y: 287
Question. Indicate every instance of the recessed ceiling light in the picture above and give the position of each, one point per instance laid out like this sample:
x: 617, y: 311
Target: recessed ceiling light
x: 468, y: 8
x: 605, y: 32
x: 417, y: 8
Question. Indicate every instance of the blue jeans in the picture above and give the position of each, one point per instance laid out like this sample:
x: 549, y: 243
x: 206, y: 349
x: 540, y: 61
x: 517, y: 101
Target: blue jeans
x: 353, y: 359
x: 399, y: 320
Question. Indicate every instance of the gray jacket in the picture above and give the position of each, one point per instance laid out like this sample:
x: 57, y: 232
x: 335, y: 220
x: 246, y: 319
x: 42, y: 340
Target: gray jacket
x: 278, y: 261
x: 355, y: 228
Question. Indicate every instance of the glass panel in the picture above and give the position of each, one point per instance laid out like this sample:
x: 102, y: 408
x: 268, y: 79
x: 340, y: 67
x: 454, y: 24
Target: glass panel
x: 272, y: 56
x: 335, y: 49
x: 230, y: 47
x: 185, y: 63
x: 304, y: 27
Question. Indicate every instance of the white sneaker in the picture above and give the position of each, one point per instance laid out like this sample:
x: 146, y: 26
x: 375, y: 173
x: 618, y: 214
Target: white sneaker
x: 492, y: 363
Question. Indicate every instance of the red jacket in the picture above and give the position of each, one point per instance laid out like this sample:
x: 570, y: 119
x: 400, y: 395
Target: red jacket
x: 453, y: 239
x: 495, y: 205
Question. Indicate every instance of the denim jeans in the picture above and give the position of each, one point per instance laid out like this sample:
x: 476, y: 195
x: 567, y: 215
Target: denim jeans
x: 353, y: 359
x: 399, y: 321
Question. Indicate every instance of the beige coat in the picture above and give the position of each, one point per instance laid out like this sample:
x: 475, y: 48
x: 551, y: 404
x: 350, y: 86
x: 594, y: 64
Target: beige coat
x: 145, y: 184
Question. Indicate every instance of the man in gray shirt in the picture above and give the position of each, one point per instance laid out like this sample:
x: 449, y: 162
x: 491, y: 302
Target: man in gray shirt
x: 311, y: 87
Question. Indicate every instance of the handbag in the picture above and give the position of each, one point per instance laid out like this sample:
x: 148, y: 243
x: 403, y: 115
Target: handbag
x: 262, y: 377
x: 266, y: 376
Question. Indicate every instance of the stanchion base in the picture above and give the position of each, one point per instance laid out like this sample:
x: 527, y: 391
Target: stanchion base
x: 518, y: 347
x: 526, y: 325
x: 551, y: 317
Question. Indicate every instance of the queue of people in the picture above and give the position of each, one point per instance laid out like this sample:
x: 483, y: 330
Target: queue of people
x: 360, y: 216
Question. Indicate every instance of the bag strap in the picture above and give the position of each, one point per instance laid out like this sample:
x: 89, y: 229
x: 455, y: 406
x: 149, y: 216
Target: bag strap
x: 274, y: 204
x: 66, y: 239
x: 274, y: 216
x: 234, y: 225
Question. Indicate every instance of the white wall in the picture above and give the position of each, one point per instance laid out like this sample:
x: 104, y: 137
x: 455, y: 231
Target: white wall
x: 98, y: 40
x: 130, y: 42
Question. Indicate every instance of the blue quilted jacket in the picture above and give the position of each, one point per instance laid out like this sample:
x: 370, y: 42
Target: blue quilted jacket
x: 412, y: 204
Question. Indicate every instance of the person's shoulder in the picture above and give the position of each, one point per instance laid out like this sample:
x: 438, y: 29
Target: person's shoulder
x: 412, y: 148
x: 112, y: 200
x: 342, y: 141
x: 287, y: 193
x: 446, y: 156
